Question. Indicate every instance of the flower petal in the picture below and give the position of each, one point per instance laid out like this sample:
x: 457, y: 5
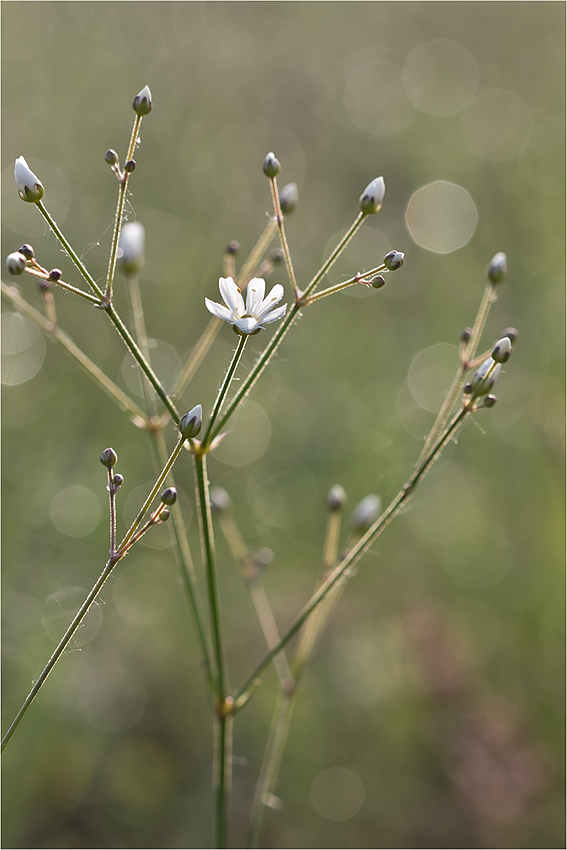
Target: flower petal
x: 219, y: 311
x: 274, y: 316
x: 231, y: 296
x: 276, y: 294
x: 247, y: 325
x: 255, y: 295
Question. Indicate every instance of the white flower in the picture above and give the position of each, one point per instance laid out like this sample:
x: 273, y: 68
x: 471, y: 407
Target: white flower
x: 29, y: 187
x: 130, y: 255
x: 258, y: 311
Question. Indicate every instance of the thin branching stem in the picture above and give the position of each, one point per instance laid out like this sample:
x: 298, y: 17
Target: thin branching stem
x: 66, y: 286
x: 283, y: 239
x: 221, y: 395
x: 358, y: 278
x: 329, y: 262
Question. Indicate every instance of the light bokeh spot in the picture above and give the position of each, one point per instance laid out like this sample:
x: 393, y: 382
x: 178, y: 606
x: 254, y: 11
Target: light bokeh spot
x: 375, y: 99
x: 440, y: 77
x: 165, y: 363
x: 431, y: 373
x: 250, y: 433
x: 543, y: 158
x: 23, y: 349
x: 496, y: 124
x: 75, y: 511
x: 337, y: 794
x: 441, y: 217
x: 112, y: 698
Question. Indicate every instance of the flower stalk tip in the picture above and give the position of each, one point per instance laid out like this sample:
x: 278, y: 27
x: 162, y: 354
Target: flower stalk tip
x: 142, y: 103
x: 497, y: 269
x: 271, y: 166
x: 29, y: 187
x: 371, y: 199
x: 190, y: 424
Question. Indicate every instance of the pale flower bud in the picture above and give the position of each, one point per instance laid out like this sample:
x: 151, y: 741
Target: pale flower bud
x: 366, y: 513
x: 29, y: 187
x: 190, y: 424
x: 271, y: 166
x: 481, y: 384
x: 371, y: 199
x: 497, y: 270
x: 502, y: 350
x: 15, y: 262
x: 130, y: 255
x: 142, y: 104
x: 394, y: 260
x: 289, y: 198
x: 220, y: 500
x: 336, y: 498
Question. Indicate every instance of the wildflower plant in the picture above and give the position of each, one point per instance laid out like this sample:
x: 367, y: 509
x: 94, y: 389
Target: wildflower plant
x: 198, y: 433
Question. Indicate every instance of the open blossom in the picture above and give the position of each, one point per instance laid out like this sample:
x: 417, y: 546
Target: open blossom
x: 258, y: 310
x: 29, y: 186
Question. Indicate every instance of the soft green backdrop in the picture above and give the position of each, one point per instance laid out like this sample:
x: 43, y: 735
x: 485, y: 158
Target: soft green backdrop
x: 439, y: 683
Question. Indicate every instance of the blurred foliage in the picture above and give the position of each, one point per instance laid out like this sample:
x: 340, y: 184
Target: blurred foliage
x: 439, y: 682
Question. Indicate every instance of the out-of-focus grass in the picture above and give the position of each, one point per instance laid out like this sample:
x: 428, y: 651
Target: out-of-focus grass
x: 439, y: 682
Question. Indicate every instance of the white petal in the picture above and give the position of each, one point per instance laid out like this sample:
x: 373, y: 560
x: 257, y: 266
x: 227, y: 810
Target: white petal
x: 274, y: 316
x: 219, y: 311
x: 247, y: 325
x: 275, y: 295
x: 254, y: 295
x: 231, y: 296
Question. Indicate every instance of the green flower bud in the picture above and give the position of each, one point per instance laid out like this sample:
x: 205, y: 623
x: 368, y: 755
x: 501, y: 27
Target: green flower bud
x: 130, y: 166
x: 55, y: 275
x: 511, y: 333
x: 29, y: 187
x: 393, y: 260
x: 169, y: 496
x: 233, y: 248
x: 371, y: 199
x: 111, y: 157
x: 271, y: 166
x: 164, y: 515
x: 289, y: 198
x: 108, y: 458
x: 497, y: 270
x: 378, y: 282
x: 502, y: 350
x: 27, y: 251
x: 118, y: 481
x: 191, y: 423
x: 15, y: 263
x: 481, y: 384
x: 490, y: 401
x: 466, y: 335
x: 142, y: 103
x: 336, y: 498
x: 366, y: 513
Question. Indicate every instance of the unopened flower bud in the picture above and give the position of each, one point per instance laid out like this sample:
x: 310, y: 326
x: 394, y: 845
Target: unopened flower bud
x: 55, y: 275
x: 142, y: 103
x: 276, y: 256
x: 220, y: 500
x: 378, y: 282
x: 502, y: 350
x: 232, y: 248
x: 497, y: 270
x: 118, y: 480
x: 393, y: 260
x: 190, y: 424
x: 466, y: 335
x: 481, y: 384
x: 15, y: 263
x: 511, y: 333
x: 271, y: 166
x: 289, y: 198
x: 366, y: 513
x: 164, y: 515
x: 371, y: 199
x: 108, y: 458
x: 27, y: 251
x: 169, y: 496
x: 130, y: 166
x: 490, y: 401
x: 29, y: 187
x: 336, y: 498
x: 130, y: 254
x: 111, y: 157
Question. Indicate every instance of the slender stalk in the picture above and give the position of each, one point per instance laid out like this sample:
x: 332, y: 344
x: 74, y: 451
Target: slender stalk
x: 222, y: 777
x: 141, y: 337
x: 112, y: 314
x: 208, y: 547
x: 488, y: 298
x: 335, y: 254
x: 112, y: 500
x: 358, y: 278
x: 242, y: 340
x: 98, y: 376
x: 66, y: 286
x: 250, y: 685
x: 283, y: 239
x: 118, y: 218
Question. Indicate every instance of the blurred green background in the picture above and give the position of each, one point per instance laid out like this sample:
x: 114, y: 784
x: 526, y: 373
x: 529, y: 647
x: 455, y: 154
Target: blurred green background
x: 432, y: 715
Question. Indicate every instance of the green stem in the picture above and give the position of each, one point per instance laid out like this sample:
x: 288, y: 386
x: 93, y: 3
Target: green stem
x: 222, y: 777
x: 141, y: 337
x: 208, y: 547
x: 63, y: 285
x: 250, y: 685
x: 98, y: 376
x: 335, y: 254
x: 358, y: 278
x: 120, y: 212
x: 285, y: 248
x: 242, y: 340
